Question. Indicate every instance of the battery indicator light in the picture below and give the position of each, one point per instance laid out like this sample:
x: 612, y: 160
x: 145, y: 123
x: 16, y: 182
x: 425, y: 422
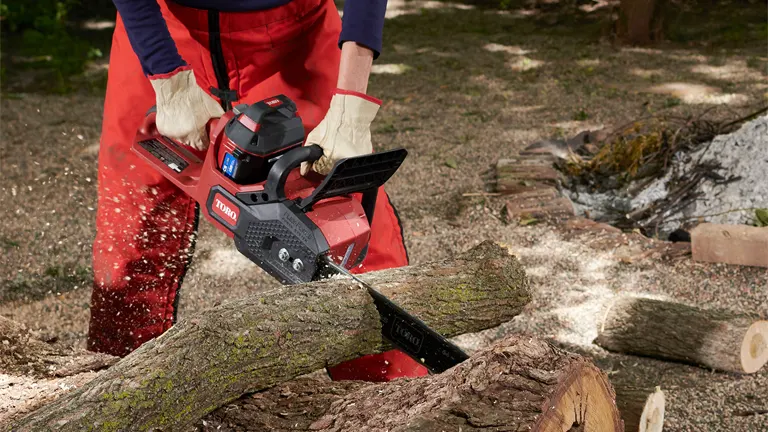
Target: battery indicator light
x: 229, y: 166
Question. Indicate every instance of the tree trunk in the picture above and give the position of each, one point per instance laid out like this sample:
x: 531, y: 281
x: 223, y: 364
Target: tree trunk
x: 252, y: 344
x: 716, y: 339
x: 636, y: 21
x: 519, y: 383
x: 642, y: 409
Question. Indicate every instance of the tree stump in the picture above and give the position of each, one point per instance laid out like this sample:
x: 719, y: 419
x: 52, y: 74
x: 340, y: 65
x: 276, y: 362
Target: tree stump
x: 721, y: 340
x: 518, y: 383
x: 639, y: 21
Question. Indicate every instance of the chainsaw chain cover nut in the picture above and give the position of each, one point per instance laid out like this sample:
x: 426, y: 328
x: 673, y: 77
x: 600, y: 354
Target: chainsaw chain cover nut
x: 298, y: 265
x: 283, y: 254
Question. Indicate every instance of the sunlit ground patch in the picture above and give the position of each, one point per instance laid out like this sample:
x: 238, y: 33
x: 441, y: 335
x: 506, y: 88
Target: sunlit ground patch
x: 576, y: 126
x: 394, y: 69
x: 641, y: 50
x: 524, y: 63
x: 396, y: 8
x: 509, y: 49
x: 525, y: 108
x: 731, y: 71
x: 698, y: 94
x: 588, y: 62
x: 98, y: 24
x: 687, y: 57
x: 646, y: 73
x: 596, y: 5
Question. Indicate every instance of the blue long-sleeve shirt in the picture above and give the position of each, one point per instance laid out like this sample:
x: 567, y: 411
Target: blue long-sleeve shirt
x: 363, y: 23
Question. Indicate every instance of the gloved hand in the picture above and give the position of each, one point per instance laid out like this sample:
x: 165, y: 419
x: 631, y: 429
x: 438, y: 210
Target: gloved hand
x: 345, y: 131
x: 183, y: 108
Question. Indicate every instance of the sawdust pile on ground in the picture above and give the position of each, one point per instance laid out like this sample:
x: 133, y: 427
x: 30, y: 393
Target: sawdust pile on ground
x: 22, y: 394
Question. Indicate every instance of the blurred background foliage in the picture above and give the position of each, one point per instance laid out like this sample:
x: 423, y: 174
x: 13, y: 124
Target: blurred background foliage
x: 46, y: 44
x: 46, y: 36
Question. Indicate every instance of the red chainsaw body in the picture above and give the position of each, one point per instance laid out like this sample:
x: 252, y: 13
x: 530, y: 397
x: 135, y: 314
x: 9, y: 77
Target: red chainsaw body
x: 341, y: 219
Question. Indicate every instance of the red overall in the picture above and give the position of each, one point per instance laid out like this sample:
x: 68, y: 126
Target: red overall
x: 146, y: 227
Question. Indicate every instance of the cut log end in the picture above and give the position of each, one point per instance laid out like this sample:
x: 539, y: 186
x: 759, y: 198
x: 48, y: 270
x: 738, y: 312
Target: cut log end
x: 642, y: 408
x: 754, y: 347
x: 585, y: 403
x: 652, y: 418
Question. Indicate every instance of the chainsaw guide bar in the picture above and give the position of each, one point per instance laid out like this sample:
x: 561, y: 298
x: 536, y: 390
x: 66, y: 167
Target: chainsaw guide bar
x: 408, y: 333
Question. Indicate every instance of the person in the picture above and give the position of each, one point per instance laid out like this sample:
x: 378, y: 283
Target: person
x: 194, y: 59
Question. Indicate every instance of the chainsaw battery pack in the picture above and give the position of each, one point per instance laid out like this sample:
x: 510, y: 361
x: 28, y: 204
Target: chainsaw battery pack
x: 257, y: 135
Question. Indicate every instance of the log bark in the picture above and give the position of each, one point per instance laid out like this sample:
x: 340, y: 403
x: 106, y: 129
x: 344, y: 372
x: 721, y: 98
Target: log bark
x: 252, y: 344
x: 526, y: 174
x: 518, y: 383
x: 641, y: 408
x: 721, y: 340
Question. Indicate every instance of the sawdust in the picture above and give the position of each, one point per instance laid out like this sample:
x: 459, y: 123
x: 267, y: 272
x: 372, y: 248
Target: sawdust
x: 20, y: 394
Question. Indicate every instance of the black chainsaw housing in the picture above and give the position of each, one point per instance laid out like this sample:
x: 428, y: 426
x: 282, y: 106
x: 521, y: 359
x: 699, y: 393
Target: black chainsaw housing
x: 262, y: 230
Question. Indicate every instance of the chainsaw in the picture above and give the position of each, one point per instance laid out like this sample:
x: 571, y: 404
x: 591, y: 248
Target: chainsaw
x: 296, y: 228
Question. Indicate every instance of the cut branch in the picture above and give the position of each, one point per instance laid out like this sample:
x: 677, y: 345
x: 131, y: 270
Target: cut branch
x: 519, y: 383
x: 255, y: 343
x: 719, y: 340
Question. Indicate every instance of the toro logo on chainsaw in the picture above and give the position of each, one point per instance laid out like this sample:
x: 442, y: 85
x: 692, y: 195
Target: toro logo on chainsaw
x: 407, y: 334
x: 225, y: 209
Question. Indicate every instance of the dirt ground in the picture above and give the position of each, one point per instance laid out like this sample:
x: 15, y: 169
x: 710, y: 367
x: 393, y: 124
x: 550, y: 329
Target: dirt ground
x: 462, y: 87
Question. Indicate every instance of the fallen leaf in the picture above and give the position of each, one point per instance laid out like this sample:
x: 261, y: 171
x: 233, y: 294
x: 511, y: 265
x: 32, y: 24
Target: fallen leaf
x: 761, y: 216
x: 451, y: 163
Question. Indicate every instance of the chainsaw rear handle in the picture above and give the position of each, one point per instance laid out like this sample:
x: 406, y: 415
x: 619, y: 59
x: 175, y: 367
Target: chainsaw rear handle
x: 148, y: 125
x: 278, y: 175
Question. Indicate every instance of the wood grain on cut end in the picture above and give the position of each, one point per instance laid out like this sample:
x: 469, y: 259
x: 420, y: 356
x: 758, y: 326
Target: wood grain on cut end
x: 754, y: 348
x: 642, y: 408
x: 652, y: 418
x: 583, y: 402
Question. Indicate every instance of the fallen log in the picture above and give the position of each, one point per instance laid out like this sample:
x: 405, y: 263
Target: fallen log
x: 720, y: 340
x: 642, y: 409
x: 255, y: 343
x: 518, y: 383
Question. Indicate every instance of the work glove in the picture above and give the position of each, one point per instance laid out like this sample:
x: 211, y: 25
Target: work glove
x: 345, y: 131
x: 183, y: 108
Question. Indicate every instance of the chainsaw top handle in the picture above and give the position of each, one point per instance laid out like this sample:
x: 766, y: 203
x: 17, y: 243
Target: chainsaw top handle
x: 356, y: 174
x: 278, y: 174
